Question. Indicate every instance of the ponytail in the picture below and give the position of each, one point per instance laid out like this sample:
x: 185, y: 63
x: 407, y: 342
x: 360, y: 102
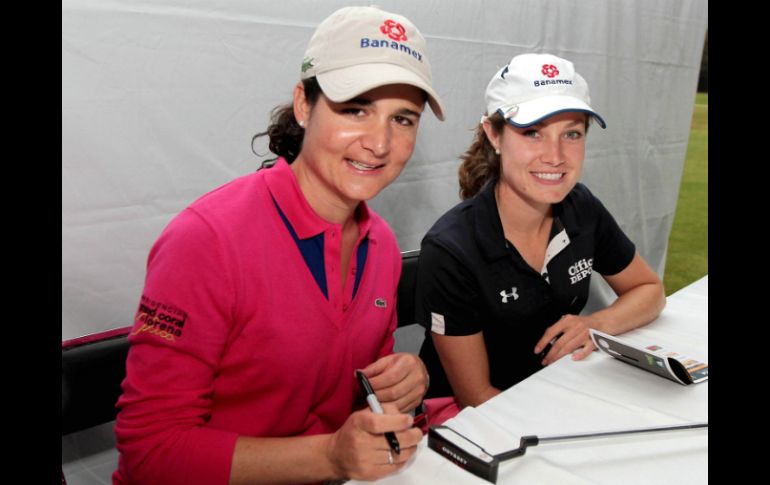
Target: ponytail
x: 480, y: 162
x: 284, y: 132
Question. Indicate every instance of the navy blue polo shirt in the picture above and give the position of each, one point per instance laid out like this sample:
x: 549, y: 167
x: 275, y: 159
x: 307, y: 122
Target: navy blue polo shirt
x: 470, y: 279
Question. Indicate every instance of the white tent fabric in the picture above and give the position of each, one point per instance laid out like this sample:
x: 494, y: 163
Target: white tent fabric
x: 160, y: 100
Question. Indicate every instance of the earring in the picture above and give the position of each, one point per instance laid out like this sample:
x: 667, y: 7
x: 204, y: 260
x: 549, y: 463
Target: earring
x: 497, y: 151
x: 301, y: 123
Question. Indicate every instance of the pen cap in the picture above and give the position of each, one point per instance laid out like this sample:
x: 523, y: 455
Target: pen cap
x: 364, y: 382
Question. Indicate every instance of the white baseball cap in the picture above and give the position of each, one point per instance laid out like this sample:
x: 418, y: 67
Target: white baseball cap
x: 533, y: 87
x: 356, y: 49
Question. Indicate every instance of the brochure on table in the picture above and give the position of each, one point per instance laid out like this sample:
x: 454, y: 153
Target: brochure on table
x: 653, y: 358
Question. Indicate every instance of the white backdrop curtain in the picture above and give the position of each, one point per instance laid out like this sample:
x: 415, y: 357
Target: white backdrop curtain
x: 160, y: 100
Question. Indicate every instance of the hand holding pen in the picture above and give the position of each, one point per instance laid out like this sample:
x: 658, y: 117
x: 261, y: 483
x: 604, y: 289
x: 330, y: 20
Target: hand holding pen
x: 363, y: 448
x: 358, y: 450
x: 399, y: 378
x: 567, y: 336
x: 375, y: 406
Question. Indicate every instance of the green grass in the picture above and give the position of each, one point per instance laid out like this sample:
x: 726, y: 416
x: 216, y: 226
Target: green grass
x: 688, y: 243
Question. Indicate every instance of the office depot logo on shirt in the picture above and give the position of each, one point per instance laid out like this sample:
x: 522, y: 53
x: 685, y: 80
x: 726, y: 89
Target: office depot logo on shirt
x: 581, y: 269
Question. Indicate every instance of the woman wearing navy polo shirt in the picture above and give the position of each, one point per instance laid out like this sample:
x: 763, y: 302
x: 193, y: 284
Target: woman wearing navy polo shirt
x: 507, y: 270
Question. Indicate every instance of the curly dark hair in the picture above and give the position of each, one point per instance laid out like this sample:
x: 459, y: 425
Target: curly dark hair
x: 284, y: 132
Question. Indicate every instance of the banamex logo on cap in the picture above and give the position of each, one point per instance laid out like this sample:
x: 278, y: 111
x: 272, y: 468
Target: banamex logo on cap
x: 394, y: 30
x: 550, y: 70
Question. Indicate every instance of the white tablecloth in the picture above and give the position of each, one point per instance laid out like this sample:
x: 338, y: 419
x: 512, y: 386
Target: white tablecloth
x: 597, y: 394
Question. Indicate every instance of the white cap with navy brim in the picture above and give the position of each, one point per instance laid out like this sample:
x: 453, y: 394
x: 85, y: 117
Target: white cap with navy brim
x: 533, y: 87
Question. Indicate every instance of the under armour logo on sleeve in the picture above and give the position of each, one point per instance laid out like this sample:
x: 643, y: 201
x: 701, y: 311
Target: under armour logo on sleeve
x: 508, y: 295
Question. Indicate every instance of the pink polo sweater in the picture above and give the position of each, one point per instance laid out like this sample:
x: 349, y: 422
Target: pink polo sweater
x: 234, y: 337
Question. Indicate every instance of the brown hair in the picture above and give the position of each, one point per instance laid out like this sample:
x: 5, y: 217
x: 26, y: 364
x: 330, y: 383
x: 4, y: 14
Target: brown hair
x: 480, y: 162
x: 284, y: 132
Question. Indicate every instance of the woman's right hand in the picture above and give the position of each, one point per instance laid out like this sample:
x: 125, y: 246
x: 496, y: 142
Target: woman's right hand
x: 359, y: 449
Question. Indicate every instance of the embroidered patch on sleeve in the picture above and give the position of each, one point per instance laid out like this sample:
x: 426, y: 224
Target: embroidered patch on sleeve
x: 165, y: 321
x: 437, y: 324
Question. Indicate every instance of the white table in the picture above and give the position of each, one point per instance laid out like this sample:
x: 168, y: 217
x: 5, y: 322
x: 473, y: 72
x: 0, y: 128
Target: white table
x: 597, y: 394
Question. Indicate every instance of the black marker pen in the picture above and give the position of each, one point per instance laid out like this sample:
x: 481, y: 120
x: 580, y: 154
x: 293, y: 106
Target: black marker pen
x: 549, y: 345
x: 374, y: 405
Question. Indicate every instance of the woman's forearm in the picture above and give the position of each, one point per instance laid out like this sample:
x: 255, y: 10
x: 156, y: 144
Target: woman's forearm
x: 281, y: 460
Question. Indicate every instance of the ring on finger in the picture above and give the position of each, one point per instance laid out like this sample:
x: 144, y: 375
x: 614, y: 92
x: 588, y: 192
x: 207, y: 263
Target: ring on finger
x: 390, y: 457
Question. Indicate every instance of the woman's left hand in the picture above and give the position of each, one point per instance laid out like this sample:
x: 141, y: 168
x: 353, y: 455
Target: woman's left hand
x: 572, y: 333
x: 399, y: 378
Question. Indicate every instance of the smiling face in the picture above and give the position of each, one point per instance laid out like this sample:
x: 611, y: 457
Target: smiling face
x: 540, y: 164
x: 353, y: 150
